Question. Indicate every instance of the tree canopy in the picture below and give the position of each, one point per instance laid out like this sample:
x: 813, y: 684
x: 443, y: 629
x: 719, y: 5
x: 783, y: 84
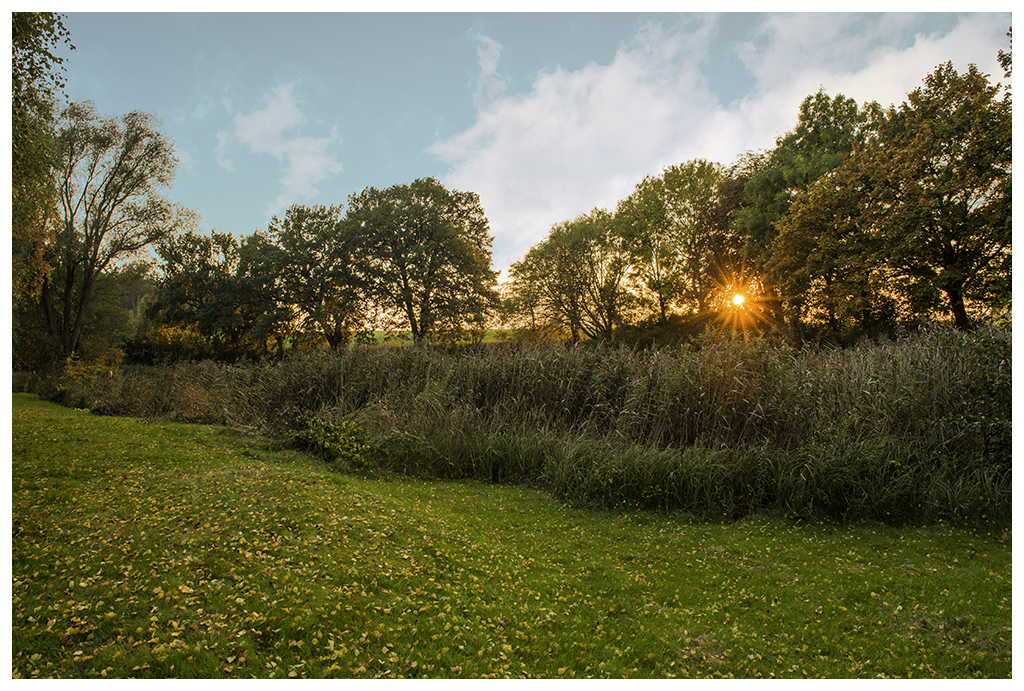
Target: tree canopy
x: 37, y: 83
x: 424, y: 253
x: 667, y: 225
x: 927, y: 200
x: 110, y: 178
x: 314, y: 259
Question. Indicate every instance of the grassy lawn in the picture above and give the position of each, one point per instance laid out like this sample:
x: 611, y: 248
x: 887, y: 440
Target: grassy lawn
x: 144, y: 549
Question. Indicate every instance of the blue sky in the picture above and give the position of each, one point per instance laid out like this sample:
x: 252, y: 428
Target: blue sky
x: 544, y: 115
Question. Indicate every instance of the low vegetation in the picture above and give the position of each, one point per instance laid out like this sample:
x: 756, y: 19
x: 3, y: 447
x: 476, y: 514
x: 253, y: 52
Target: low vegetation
x: 911, y: 430
x: 145, y: 548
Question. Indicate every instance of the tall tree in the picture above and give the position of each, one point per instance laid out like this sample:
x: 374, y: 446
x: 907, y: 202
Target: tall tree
x: 941, y: 199
x: 317, y: 271
x: 544, y: 290
x: 691, y: 199
x: 826, y: 132
x: 193, y: 290
x: 577, y: 277
x: 425, y: 252
x: 36, y: 84
x: 827, y: 259
x: 111, y: 172
x: 263, y: 296
x: 669, y: 227
x: 644, y: 221
x: 599, y: 266
x: 921, y: 210
x: 222, y: 290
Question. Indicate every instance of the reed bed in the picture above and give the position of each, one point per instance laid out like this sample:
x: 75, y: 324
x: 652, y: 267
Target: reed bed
x: 912, y: 429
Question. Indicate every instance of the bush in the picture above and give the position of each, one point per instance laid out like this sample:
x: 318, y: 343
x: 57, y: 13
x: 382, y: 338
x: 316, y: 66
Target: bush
x: 75, y: 383
x: 342, y: 444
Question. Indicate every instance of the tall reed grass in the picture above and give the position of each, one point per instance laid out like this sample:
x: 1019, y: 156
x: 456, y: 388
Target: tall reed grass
x: 912, y: 429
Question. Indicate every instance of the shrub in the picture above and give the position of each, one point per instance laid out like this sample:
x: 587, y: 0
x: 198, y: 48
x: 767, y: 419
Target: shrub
x: 342, y: 444
x: 75, y: 383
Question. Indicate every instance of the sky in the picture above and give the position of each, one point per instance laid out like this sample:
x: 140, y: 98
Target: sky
x: 545, y: 115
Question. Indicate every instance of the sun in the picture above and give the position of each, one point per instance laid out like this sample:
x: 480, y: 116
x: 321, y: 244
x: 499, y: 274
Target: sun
x: 737, y: 300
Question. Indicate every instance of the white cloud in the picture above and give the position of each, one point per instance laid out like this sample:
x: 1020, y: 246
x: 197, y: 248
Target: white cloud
x: 221, y: 151
x: 583, y: 138
x: 185, y: 161
x: 489, y: 84
x: 272, y: 130
x: 201, y: 110
x: 578, y: 139
x: 860, y: 58
x: 263, y: 131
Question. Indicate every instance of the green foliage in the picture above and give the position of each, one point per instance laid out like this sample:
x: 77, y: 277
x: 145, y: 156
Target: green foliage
x: 34, y: 36
x: 74, y: 383
x: 313, y: 259
x: 828, y: 261
x: 827, y: 130
x: 680, y: 251
x: 112, y: 174
x: 920, y: 211
x: 941, y: 195
x: 36, y: 83
x: 575, y: 279
x: 218, y: 295
x: 343, y: 443
x: 423, y: 254
x: 858, y: 221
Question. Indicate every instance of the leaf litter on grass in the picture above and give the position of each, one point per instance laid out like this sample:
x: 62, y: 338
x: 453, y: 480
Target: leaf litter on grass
x: 168, y: 550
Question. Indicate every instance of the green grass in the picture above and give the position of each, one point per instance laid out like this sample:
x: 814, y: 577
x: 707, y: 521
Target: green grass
x: 144, y: 549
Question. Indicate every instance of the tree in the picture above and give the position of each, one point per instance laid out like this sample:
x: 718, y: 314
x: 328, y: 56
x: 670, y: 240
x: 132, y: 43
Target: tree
x: 221, y: 290
x: 544, y: 295
x: 941, y: 196
x: 826, y: 132
x: 826, y: 256
x: 669, y: 227
x: 263, y: 299
x: 691, y: 198
x: 920, y: 210
x: 424, y: 252
x: 36, y: 81
x: 111, y: 318
x: 317, y: 271
x: 109, y: 177
x: 576, y: 277
x: 598, y: 265
x: 195, y: 271
x: 644, y: 222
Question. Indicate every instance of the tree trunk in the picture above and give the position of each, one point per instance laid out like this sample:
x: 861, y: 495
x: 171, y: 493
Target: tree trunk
x: 83, y: 301
x: 956, y: 303
x: 51, y: 320
x: 663, y: 318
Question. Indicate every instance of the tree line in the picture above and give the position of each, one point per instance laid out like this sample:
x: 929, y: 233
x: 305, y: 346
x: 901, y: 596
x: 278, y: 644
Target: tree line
x: 860, y: 218
x: 413, y: 258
